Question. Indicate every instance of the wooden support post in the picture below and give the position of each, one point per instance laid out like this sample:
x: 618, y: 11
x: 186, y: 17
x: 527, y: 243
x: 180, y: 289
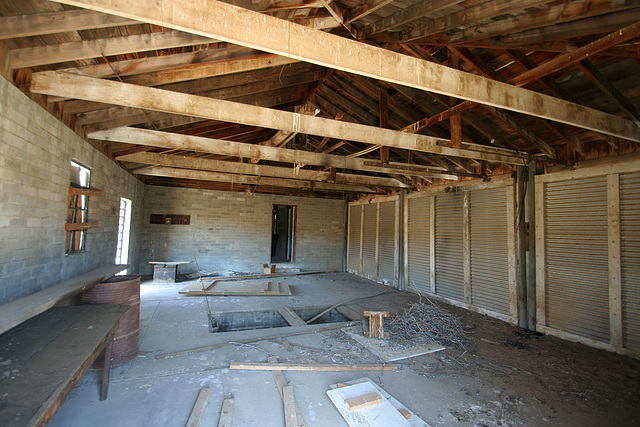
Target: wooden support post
x: 383, y: 108
x: 104, y: 387
x: 522, y: 248
x: 615, y: 261
x: 530, y: 204
x: 5, y: 63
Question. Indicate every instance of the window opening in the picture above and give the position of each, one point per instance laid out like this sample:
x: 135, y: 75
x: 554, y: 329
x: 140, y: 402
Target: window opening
x: 124, y: 227
x: 78, y: 209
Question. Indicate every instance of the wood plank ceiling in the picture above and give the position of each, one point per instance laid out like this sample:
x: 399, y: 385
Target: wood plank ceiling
x: 332, y: 98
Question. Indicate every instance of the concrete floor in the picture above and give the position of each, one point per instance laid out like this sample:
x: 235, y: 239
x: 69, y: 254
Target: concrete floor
x: 505, y: 377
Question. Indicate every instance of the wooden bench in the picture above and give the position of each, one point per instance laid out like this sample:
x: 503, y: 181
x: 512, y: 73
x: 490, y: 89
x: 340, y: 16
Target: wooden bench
x: 42, y: 360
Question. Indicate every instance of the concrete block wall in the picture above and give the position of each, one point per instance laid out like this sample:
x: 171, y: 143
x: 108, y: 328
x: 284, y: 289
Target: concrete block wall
x: 232, y: 231
x: 35, y: 151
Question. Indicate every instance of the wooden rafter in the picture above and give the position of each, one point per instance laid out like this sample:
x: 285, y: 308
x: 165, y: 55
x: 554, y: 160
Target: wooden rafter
x: 88, y: 88
x: 257, y: 170
x: 238, y: 149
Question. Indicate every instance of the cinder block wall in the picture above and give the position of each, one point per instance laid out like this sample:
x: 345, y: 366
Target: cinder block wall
x: 232, y: 231
x: 35, y: 151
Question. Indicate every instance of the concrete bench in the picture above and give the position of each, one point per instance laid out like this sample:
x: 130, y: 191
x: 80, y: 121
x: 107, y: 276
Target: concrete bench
x: 43, y: 359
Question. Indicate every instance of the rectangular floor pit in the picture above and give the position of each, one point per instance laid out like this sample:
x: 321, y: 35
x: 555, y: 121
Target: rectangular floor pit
x: 250, y: 320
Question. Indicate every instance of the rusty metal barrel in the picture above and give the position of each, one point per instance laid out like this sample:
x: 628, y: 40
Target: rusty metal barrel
x: 123, y: 290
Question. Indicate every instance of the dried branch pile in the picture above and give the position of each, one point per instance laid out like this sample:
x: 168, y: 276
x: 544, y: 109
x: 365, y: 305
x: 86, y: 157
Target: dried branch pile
x: 427, y: 321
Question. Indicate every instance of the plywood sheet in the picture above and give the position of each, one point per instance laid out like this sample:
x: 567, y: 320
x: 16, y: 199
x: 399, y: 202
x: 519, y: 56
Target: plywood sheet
x: 413, y: 419
x: 388, y: 352
x: 383, y: 414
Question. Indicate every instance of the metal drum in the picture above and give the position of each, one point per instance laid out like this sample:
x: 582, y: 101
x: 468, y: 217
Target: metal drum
x: 123, y: 290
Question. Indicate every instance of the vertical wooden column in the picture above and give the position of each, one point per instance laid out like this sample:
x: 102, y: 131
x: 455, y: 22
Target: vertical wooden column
x: 5, y: 65
x: 432, y: 243
x: 541, y: 258
x: 521, y: 178
x: 531, y: 260
x: 466, y: 246
x: 377, y: 252
x: 615, y: 262
x: 401, y: 240
x: 512, y: 249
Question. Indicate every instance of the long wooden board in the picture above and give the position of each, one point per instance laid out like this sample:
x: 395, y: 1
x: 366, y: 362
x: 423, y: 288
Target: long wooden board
x: 281, y: 383
x: 226, y: 414
x: 16, y: 312
x: 260, y: 366
x: 197, y: 285
x: 198, y: 407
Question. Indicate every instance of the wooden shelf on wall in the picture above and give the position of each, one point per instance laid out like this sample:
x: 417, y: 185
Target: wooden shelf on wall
x: 74, y: 191
x: 80, y: 225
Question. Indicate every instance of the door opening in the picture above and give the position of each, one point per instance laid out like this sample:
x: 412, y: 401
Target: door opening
x: 282, y: 236
x: 124, y: 227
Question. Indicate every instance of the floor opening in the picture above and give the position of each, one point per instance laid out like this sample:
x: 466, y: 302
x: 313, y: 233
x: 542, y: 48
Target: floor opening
x: 249, y: 320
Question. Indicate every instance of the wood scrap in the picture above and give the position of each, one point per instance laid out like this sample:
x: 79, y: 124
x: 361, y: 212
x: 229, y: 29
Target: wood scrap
x: 198, y: 407
x: 281, y: 383
x: 261, y: 366
x: 383, y: 414
x: 413, y: 419
x: 291, y: 316
x: 226, y: 413
x: 359, y: 402
x: 290, y: 407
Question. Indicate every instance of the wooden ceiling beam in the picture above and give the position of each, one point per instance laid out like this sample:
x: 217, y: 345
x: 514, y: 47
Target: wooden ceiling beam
x: 250, y: 180
x: 12, y: 27
x: 257, y: 170
x: 483, y: 11
x: 89, y: 88
x: 238, y: 149
x: 87, y: 49
x: 403, y: 16
x: 255, y: 30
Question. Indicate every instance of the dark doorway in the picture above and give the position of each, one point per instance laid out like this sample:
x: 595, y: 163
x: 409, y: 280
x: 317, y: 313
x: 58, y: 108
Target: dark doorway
x: 282, y: 240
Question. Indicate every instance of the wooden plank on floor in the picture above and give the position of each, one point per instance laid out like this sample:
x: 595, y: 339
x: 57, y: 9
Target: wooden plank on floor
x: 281, y: 383
x: 226, y: 414
x: 259, y: 366
x: 290, y: 417
x: 291, y: 316
x: 414, y: 420
x: 349, y: 312
x: 198, y: 407
x: 361, y: 402
x: 16, y: 312
x: 381, y: 415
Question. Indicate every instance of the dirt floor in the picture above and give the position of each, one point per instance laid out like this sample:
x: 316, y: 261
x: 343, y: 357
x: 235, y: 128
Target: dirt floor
x: 503, y: 376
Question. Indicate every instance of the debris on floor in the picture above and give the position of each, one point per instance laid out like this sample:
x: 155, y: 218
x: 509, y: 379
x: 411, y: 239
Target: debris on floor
x: 427, y: 322
x: 198, y: 407
x: 226, y: 413
x: 383, y: 411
